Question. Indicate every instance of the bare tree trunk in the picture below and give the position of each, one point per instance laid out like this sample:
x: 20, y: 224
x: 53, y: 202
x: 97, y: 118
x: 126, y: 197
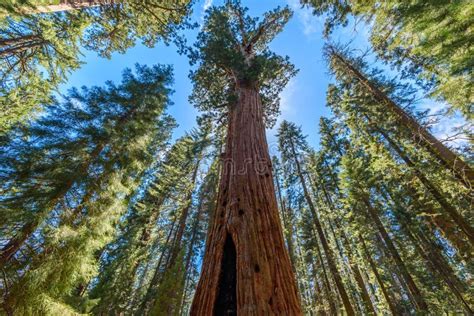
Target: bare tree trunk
x: 352, y: 262
x: 318, y: 301
x: 319, y: 229
x: 373, y: 266
x: 415, y: 292
x: 66, y: 5
x: 429, y: 251
x: 420, y: 134
x: 149, y: 295
x: 190, y: 253
x: 465, y: 227
x: 176, y: 247
x: 327, y: 286
x: 246, y: 268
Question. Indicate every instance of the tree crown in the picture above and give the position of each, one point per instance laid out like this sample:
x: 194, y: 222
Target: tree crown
x: 232, y: 51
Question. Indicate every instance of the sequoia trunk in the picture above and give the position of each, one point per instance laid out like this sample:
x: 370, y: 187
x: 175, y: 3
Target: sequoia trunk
x: 246, y: 268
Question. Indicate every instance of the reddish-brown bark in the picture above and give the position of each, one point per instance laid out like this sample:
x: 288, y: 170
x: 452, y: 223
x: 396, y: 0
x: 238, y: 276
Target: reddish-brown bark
x: 246, y: 268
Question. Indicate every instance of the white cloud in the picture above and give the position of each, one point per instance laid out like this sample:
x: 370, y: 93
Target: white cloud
x: 207, y: 4
x: 445, y: 126
x: 286, y: 103
x: 310, y: 23
x: 286, y: 97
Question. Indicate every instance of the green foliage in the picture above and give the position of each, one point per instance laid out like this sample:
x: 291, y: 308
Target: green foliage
x: 232, y: 51
x: 141, y: 238
x: 38, y: 51
x: 352, y: 169
x: 90, y: 153
x: 36, y: 54
x: 431, y: 40
x: 170, y: 290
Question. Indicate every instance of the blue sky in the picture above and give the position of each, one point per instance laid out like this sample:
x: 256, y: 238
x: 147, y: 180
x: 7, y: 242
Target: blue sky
x: 302, y: 101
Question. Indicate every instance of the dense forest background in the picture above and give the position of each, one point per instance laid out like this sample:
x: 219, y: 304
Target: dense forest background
x: 110, y: 190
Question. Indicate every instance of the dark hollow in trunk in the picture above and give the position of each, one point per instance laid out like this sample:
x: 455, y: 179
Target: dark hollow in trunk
x: 226, y: 301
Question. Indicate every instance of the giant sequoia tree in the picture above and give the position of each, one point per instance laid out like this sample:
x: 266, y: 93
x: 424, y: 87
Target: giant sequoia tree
x: 246, y: 268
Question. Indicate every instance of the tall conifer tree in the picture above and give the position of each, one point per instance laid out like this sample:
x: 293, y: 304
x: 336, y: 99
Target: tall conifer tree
x: 84, y: 171
x: 246, y: 268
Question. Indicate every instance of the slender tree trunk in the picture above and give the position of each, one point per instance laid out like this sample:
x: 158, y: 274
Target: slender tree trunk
x: 9, y: 51
x: 190, y: 252
x: 319, y: 229
x: 346, y: 264
x: 135, y: 300
x: 370, y: 309
x: 450, y: 160
x: 305, y: 292
x: 439, y: 267
x: 66, y: 5
x: 327, y: 286
x: 12, y: 46
x: 176, y: 248
x: 354, y: 266
x: 318, y: 302
x: 287, y: 225
x: 246, y: 268
x: 418, y: 299
x: 436, y: 262
x: 155, y: 280
x: 466, y: 228
x: 429, y: 251
x: 373, y: 266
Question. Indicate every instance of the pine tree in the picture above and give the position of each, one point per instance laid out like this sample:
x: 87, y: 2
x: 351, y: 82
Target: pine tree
x: 246, y: 268
x: 50, y: 6
x: 291, y: 142
x: 348, y: 72
x: 365, y: 114
x: 430, y: 40
x: 84, y: 172
x: 38, y: 51
x: 36, y: 54
x: 207, y: 199
x: 174, y: 181
x: 168, y: 299
x: 375, y: 171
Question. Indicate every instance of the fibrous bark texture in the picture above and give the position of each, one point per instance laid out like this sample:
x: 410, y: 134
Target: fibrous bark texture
x: 246, y: 219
